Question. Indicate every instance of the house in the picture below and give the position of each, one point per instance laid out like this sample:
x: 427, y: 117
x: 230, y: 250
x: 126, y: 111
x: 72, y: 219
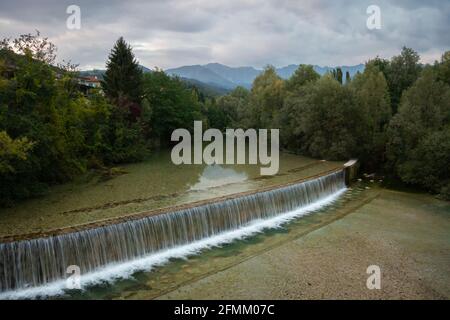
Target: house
x: 90, y: 82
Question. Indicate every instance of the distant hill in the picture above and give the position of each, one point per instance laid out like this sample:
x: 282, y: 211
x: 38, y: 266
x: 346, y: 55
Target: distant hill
x: 217, y: 79
x: 202, y: 74
x: 209, y: 90
x: 230, y: 77
x: 288, y: 71
x: 241, y: 76
x: 145, y: 69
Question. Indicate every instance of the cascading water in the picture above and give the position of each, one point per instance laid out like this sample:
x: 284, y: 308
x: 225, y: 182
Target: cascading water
x: 32, y: 263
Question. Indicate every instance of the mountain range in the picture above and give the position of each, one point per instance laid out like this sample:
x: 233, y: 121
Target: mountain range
x: 218, y: 79
x: 227, y: 77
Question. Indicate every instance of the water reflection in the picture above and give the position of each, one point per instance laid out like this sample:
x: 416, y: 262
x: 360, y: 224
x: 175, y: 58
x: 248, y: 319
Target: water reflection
x: 217, y: 175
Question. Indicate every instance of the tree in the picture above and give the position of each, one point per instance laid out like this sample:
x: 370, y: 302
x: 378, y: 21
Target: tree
x: 325, y: 120
x: 303, y: 74
x: 122, y: 81
x: 402, y: 72
x: 40, y: 48
x: 382, y: 64
x: 443, y: 68
x: 228, y: 111
x: 347, y: 77
x: 428, y: 163
x: 339, y: 75
x: 266, y: 99
x: 172, y: 104
x: 49, y: 131
x: 417, y: 150
x: 372, y: 97
x: 298, y: 86
x: 216, y: 112
x: 124, y: 139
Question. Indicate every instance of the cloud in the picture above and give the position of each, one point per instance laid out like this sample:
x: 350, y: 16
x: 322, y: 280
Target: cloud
x: 170, y: 33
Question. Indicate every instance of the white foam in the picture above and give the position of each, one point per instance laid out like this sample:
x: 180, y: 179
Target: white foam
x: 122, y: 270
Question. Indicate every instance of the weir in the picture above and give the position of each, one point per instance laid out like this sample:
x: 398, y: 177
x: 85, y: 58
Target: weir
x: 36, y: 262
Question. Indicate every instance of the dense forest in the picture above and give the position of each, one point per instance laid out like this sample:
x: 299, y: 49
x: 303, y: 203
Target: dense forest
x: 394, y: 117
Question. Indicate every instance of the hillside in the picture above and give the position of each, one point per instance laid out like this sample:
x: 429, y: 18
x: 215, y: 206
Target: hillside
x: 202, y: 74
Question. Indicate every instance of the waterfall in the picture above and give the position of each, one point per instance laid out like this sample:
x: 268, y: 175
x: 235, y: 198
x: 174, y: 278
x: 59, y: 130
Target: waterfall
x: 37, y: 262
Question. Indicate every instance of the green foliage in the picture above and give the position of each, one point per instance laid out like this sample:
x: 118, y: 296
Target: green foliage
x: 427, y: 164
x: 320, y: 117
x: 37, y: 107
x: 69, y: 132
x: 400, y: 72
x: 121, y: 141
x: 403, y: 71
x: 297, y: 87
x: 216, y: 115
x: 34, y: 45
x: 172, y: 104
x: 372, y: 99
x: 12, y: 150
x: 325, y: 120
x: 266, y: 99
x: 301, y: 76
x: 381, y: 64
x: 417, y: 149
x: 229, y: 111
x: 443, y: 68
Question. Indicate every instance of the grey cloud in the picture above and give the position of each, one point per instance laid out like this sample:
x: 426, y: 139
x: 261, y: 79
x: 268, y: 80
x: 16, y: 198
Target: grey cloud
x: 236, y: 32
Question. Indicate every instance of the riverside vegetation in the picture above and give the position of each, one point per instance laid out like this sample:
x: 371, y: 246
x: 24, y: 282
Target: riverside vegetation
x: 394, y: 117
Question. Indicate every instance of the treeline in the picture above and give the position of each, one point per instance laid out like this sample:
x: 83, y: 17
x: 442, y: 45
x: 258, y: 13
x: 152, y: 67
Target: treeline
x: 394, y: 117
x: 50, y: 132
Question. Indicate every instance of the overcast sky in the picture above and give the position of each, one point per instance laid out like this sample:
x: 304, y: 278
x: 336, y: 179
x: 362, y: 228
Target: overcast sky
x: 171, y: 33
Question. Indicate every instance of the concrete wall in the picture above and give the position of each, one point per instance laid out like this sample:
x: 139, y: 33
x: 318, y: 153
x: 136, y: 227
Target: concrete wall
x: 351, y: 170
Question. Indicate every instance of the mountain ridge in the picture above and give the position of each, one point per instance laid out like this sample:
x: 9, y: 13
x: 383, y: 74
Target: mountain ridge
x: 224, y: 78
x: 231, y: 77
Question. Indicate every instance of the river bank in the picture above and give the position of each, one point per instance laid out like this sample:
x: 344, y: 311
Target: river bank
x: 154, y: 184
x: 324, y: 254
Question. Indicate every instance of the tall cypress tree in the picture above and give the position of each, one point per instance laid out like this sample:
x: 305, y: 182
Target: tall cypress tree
x: 347, y: 77
x: 339, y: 75
x: 122, y: 82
